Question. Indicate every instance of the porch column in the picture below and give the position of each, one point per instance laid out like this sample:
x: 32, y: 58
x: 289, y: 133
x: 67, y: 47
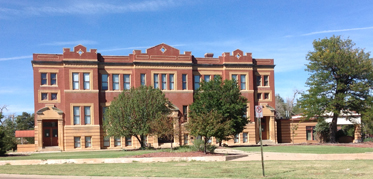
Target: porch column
x: 357, y: 138
x: 40, y: 135
x: 272, y: 128
x: 176, y: 132
x: 60, y: 134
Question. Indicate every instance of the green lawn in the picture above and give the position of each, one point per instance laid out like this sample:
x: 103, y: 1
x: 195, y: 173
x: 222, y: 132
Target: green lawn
x: 252, y: 169
x: 312, y: 149
x: 76, y: 155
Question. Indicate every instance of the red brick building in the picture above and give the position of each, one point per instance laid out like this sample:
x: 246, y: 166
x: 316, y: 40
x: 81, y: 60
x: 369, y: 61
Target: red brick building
x: 72, y: 89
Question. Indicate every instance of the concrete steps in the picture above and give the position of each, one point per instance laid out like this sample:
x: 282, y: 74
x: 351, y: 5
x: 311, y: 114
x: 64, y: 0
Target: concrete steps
x: 50, y: 149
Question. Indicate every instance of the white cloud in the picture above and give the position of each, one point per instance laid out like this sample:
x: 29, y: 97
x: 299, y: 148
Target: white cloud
x: 89, y: 7
x: 16, y: 58
x: 82, y: 42
x: 330, y: 31
x: 18, y: 109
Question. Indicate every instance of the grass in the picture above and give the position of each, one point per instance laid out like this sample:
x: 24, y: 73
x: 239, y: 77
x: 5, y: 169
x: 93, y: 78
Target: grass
x: 250, y: 169
x: 79, y: 155
x: 312, y: 149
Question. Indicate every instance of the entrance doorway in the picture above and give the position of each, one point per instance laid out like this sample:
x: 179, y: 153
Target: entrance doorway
x: 50, y: 133
x: 264, y: 128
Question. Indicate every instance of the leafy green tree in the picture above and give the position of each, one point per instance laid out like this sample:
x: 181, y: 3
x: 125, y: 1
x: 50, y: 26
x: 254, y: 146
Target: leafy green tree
x: 25, y: 121
x: 225, y: 99
x: 131, y: 113
x: 2, y: 144
x: 9, y: 127
x: 164, y: 127
x: 207, y: 125
x: 341, y: 80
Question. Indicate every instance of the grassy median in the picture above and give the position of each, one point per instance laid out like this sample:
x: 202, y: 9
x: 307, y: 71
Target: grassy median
x: 251, y: 169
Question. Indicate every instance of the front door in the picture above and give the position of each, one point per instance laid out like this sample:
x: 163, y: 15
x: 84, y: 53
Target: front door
x: 264, y: 129
x: 50, y: 133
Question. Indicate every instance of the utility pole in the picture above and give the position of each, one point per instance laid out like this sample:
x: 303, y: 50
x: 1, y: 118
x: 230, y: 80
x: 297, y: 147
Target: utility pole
x: 259, y: 115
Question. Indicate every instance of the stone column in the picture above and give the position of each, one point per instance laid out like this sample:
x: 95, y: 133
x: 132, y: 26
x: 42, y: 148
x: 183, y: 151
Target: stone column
x: 60, y: 134
x: 40, y: 135
x: 271, y: 128
x: 357, y: 138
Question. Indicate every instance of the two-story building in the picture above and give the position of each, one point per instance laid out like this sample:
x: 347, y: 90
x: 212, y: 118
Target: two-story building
x: 72, y: 89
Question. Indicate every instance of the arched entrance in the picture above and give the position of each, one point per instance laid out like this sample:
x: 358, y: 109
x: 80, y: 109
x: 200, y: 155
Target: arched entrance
x: 49, y: 127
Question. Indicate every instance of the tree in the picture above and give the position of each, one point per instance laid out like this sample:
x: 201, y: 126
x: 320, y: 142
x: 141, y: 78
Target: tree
x: 340, y: 81
x: 131, y: 113
x: 25, y: 121
x: 289, y: 105
x: 207, y: 125
x: 164, y: 127
x: 225, y: 99
x: 9, y: 127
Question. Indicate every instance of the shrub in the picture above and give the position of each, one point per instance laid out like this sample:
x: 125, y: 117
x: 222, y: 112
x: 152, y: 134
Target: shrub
x: 199, y: 144
x: 368, y: 140
x: 322, y: 130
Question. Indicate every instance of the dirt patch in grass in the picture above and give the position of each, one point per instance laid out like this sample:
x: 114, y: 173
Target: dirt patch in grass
x: 174, y: 154
x: 359, y: 145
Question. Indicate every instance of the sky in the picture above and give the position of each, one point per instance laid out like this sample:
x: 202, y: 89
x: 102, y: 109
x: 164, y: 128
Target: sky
x: 281, y: 30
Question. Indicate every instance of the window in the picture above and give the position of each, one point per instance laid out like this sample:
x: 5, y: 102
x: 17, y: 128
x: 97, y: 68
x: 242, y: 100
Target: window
x: 309, y: 132
x: 186, y: 137
x: 245, y: 139
x: 243, y: 82
x: 53, y: 96
x: 266, y: 95
x: 196, y: 81
x: 172, y: 82
x: 258, y: 81
x: 88, y: 142
x: 43, y: 79
x: 216, y: 76
x: 117, y: 141
x: 259, y: 96
x: 234, y: 77
x: 106, y: 141
x: 104, y: 82
x: 76, y: 111
x: 236, y: 138
x: 86, y: 81
x: 142, y: 79
x: 53, y: 79
x: 128, y: 141
x: 164, y: 82
x: 266, y: 80
x: 87, y: 115
x: 155, y: 80
x: 103, y: 113
x: 184, y: 79
x: 75, y: 81
x: 115, y: 82
x: 44, y: 96
x: 126, y: 82
x: 185, y: 113
x: 245, y: 111
x: 76, y: 142
x: 207, y: 78
x: 209, y: 141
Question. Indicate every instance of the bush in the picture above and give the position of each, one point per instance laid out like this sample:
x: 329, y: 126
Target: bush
x: 199, y: 144
x: 368, y: 140
x: 322, y: 130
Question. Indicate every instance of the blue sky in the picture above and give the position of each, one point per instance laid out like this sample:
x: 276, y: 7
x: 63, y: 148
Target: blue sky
x: 282, y: 30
